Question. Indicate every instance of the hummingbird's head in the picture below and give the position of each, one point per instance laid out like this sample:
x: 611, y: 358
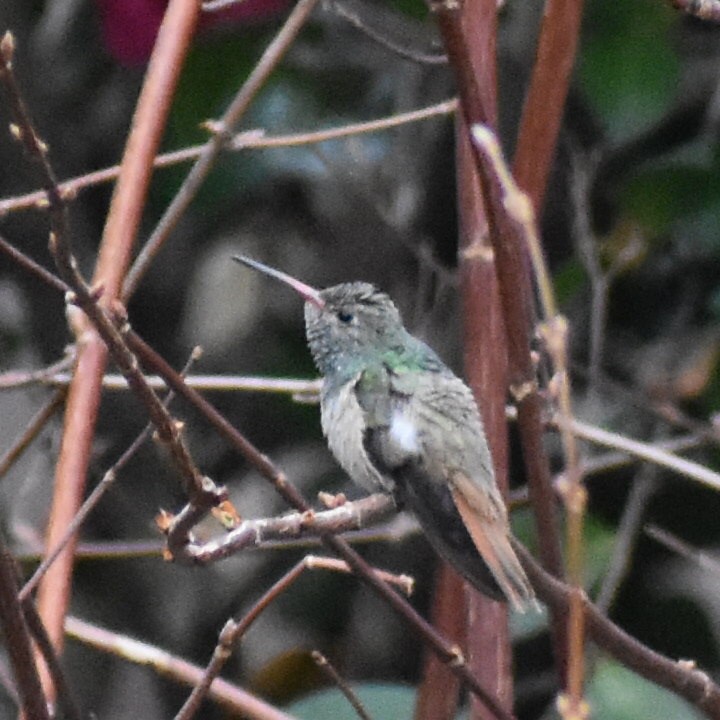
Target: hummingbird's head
x: 353, y: 321
x: 345, y: 324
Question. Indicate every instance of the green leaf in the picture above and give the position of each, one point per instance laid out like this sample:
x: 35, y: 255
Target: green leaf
x: 628, y: 68
x: 382, y: 702
x: 616, y: 693
x: 569, y: 280
x: 659, y: 196
x: 599, y: 543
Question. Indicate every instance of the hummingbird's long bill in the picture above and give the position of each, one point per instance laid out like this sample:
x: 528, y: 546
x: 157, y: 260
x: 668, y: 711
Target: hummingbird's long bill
x: 307, y: 292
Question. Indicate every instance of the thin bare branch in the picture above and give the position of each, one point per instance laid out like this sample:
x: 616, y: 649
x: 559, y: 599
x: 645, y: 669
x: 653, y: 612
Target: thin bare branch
x: 613, y: 460
x: 646, y: 451
x: 292, y: 526
x: 30, y: 266
x: 521, y: 224
x: 49, y: 654
x: 704, y: 560
x: 352, y: 15
x: 215, y: 5
x: 643, y: 488
x: 200, y: 170
x: 235, y: 629
x: 23, y: 130
x: 246, y: 140
x: 229, y: 636
x: 17, y: 640
x: 234, y: 699
x: 36, y: 424
x: 327, y: 667
x: 305, y: 390
x: 92, y: 500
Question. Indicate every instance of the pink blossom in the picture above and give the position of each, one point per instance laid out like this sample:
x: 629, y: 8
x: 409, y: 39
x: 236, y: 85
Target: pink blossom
x: 129, y: 27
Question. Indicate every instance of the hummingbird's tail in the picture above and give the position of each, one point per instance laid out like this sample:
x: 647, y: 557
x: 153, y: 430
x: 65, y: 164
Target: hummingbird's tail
x: 490, y: 535
x: 469, y: 529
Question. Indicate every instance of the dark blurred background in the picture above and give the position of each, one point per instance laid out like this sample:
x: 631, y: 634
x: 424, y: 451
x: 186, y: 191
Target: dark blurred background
x: 631, y: 232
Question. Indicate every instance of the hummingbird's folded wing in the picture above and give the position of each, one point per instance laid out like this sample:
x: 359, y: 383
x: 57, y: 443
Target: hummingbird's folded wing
x: 484, y: 517
x: 425, y: 431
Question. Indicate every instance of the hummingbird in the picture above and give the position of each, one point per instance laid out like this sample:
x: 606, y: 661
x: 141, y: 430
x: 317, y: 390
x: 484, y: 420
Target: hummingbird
x: 399, y: 421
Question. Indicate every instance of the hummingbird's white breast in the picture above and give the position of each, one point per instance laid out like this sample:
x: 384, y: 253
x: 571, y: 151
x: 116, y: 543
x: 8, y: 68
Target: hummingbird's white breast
x: 343, y: 425
x: 403, y: 432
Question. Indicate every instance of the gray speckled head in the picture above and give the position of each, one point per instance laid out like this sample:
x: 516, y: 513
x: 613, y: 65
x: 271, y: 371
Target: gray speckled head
x: 356, y: 319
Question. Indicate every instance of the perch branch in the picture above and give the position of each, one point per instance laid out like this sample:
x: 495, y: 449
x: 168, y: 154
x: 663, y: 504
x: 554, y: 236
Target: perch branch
x: 446, y: 652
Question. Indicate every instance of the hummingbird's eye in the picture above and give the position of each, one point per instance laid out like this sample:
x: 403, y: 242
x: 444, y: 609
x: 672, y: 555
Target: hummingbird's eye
x: 345, y: 317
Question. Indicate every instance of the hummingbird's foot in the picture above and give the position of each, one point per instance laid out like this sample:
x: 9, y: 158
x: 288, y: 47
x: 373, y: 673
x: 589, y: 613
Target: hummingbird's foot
x: 331, y: 501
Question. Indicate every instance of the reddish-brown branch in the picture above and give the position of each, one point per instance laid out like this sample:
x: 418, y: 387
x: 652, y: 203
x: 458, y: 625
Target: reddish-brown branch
x: 81, y: 409
x: 486, y: 370
x: 545, y: 100
x: 17, y: 641
x: 683, y: 678
x: 487, y: 635
x: 439, y: 692
x: 148, y: 125
x: 514, y: 282
x: 84, y: 394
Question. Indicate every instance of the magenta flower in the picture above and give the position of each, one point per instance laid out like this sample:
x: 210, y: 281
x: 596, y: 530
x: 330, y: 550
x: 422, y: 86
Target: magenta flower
x: 129, y: 27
